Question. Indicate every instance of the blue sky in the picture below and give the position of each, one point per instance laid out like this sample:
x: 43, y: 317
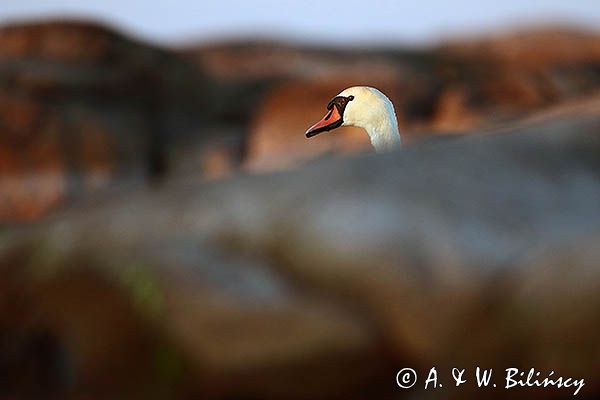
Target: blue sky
x: 322, y: 21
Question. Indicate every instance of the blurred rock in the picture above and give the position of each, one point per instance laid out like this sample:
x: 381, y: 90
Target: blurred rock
x: 82, y: 107
x: 533, y: 49
x: 322, y: 282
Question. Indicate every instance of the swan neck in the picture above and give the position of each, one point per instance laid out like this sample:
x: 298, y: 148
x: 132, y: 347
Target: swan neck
x: 385, y: 137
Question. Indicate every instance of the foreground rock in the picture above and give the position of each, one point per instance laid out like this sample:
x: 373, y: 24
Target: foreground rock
x: 321, y: 283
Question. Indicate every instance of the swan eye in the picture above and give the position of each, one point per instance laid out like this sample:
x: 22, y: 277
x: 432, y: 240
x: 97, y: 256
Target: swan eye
x: 340, y: 103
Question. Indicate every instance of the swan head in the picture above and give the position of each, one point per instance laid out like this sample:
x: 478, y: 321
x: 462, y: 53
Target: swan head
x: 364, y: 107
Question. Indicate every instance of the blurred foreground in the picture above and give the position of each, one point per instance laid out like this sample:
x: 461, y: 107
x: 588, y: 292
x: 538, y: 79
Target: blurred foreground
x: 320, y: 282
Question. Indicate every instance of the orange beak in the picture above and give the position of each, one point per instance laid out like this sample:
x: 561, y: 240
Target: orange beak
x: 330, y: 121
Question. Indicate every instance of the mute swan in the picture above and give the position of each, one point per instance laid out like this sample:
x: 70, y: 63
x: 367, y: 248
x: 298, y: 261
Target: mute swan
x: 364, y: 107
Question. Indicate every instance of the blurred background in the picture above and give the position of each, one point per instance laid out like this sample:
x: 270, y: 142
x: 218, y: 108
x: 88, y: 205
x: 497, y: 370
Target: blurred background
x: 107, y: 105
x: 95, y: 93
